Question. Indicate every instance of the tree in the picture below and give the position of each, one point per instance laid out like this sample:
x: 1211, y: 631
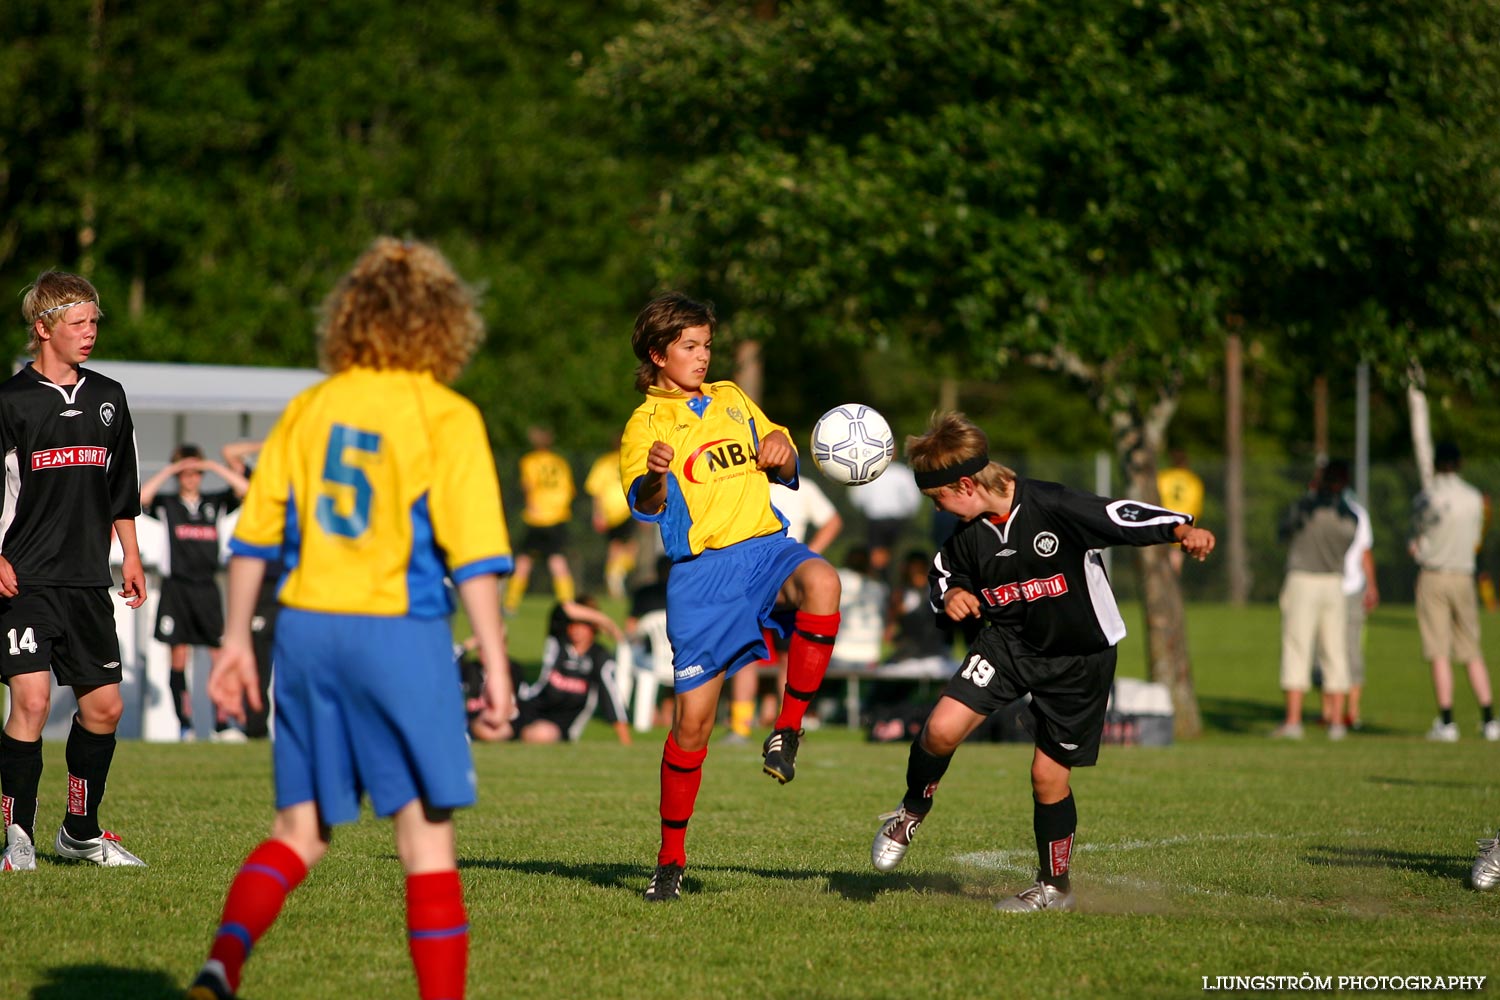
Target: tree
x: 1091, y: 188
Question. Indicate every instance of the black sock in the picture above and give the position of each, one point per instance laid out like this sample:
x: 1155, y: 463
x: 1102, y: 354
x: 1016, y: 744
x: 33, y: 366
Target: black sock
x: 20, y: 776
x: 1486, y: 714
x: 923, y: 772
x: 1054, y: 826
x: 89, y: 755
x: 177, y: 684
x: 1447, y: 714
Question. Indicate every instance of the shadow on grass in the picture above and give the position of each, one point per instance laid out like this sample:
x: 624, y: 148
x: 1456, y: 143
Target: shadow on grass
x: 69, y: 982
x: 1428, y: 782
x: 857, y: 887
x: 1439, y: 866
x: 1244, y: 716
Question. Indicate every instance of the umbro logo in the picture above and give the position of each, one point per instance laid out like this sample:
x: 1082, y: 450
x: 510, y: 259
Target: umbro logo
x: 70, y: 413
x: 1005, y: 552
x: 112, y: 665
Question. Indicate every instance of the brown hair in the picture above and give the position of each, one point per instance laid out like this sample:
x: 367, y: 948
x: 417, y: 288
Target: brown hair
x: 401, y: 306
x: 953, y: 439
x: 659, y: 323
x: 43, y: 296
x: 183, y: 451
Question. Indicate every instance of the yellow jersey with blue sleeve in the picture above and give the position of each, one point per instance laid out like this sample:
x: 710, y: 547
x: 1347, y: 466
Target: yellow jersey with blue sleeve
x: 373, y: 487
x: 547, y: 483
x: 715, y: 494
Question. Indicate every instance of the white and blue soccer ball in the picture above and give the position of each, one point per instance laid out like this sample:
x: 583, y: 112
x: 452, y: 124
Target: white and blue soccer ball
x: 852, y: 444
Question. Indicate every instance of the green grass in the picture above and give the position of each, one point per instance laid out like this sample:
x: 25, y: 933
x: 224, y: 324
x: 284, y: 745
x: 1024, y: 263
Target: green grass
x: 1230, y: 856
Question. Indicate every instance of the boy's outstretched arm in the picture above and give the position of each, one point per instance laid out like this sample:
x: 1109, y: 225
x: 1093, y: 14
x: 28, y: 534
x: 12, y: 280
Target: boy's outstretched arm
x: 1196, y: 542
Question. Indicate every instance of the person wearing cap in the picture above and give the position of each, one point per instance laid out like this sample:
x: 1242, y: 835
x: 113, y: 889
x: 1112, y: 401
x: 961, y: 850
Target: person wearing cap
x: 1024, y: 576
x: 1447, y: 528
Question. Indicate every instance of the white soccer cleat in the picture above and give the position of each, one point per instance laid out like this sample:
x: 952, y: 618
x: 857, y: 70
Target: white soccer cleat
x: 1036, y: 897
x: 20, y: 854
x: 1486, y: 873
x: 891, y: 843
x: 1443, y: 732
x: 1491, y: 730
x: 104, y: 850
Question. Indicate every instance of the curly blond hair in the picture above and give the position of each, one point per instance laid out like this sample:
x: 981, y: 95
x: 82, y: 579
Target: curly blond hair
x: 48, y: 298
x: 401, y: 306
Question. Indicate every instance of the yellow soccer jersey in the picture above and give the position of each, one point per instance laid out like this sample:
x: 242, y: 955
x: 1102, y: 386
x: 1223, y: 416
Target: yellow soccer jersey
x: 715, y: 494
x: 373, y: 486
x: 547, y: 483
x: 1181, y: 490
x: 603, y: 484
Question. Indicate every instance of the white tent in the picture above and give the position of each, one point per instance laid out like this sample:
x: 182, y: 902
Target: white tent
x: 208, y: 405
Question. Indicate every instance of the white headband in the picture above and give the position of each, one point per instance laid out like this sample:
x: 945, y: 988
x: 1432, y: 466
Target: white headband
x: 65, y: 305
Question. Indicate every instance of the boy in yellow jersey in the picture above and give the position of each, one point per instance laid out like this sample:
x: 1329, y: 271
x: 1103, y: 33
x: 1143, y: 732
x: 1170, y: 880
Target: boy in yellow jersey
x: 612, y: 519
x: 698, y: 458
x: 375, y: 486
x: 547, y: 484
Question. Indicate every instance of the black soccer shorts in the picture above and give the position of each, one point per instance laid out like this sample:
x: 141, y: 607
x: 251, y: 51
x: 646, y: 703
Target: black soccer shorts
x: 544, y: 541
x: 70, y: 629
x: 190, y: 613
x: 1069, y: 694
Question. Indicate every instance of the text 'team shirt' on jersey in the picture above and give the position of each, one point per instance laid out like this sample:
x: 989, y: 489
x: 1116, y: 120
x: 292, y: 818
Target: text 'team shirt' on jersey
x: 70, y: 472
x: 1039, y: 572
x: 715, y: 494
x: 373, y: 486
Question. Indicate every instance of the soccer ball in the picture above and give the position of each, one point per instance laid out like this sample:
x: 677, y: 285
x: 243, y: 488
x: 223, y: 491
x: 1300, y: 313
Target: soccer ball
x: 852, y: 444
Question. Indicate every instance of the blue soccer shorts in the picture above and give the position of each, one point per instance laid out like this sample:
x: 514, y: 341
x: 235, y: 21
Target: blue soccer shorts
x: 371, y: 705
x: 718, y: 602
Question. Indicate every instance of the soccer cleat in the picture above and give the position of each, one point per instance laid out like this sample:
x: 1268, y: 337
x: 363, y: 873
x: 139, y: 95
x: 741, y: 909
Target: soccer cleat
x: 1491, y: 730
x: 1037, y: 896
x: 1287, y: 731
x: 1337, y: 731
x: 104, y: 850
x: 666, y: 884
x: 20, y: 854
x: 781, y: 754
x: 230, y: 735
x: 1486, y: 873
x: 733, y: 739
x: 211, y: 983
x: 1443, y: 732
x: 894, y: 838
x: 187, y: 735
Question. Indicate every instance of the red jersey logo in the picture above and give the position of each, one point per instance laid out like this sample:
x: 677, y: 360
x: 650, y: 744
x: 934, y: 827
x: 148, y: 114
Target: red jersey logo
x: 721, y: 454
x: 1031, y: 590
x: 54, y: 458
x: 196, y: 533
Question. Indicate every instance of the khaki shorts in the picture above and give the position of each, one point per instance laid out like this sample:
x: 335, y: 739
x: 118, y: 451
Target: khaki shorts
x: 1448, y: 616
x: 1314, y: 617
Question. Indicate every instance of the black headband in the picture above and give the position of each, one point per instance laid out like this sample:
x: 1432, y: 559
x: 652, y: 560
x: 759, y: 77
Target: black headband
x: 933, y: 478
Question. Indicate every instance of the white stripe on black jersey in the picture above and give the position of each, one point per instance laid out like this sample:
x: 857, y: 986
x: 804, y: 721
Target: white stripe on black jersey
x: 1039, y: 572
x: 70, y: 472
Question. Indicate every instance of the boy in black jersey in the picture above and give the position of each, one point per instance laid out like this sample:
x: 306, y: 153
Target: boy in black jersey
x: 71, y: 477
x: 1024, y: 571
x: 191, y: 610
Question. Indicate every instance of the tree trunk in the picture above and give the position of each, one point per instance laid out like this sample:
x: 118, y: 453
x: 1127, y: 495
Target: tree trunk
x: 1320, y: 420
x: 1138, y: 440
x: 749, y: 372
x: 1236, y: 552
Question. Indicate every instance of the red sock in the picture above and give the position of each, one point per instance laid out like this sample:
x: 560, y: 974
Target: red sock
x: 255, y: 897
x: 437, y: 931
x: 681, y: 774
x: 806, y: 662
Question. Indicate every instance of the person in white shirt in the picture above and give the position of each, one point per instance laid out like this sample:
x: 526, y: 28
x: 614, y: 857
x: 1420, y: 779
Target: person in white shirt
x: 1447, y: 527
x: 888, y: 504
x: 1361, y: 595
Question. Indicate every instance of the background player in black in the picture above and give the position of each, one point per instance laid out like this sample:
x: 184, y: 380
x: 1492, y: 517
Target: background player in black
x: 577, y: 676
x: 71, y: 476
x: 263, y: 618
x: 1025, y: 565
x: 191, y: 610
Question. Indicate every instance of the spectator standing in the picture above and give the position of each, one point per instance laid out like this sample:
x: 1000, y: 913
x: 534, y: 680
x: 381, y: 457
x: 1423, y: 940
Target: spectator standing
x: 1447, y: 528
x: 1318, y: 530
x: 191, y: 609
x: 547, y: 485
x: 1361, y: 591
x: 888, y: 504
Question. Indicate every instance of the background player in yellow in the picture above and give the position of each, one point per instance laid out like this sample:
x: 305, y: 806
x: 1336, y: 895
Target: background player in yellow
x: 375, y: 488
x: 612, y: 519
x: 1180, y: 489
x: 547, y: 485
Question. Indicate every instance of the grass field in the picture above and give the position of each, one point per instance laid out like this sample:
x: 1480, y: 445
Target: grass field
x: 1231, y: 856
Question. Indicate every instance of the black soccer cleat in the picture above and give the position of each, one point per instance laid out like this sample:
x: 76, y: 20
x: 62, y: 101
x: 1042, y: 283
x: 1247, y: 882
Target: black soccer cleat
x: 781, y: 754
x: 211, y: 984
x: 666, y: 884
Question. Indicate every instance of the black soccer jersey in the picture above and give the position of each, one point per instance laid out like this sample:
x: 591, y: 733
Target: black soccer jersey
x: 70, y: 472
x: 571, y: 685
x: 193, y: 532
x: 1038, y: 573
